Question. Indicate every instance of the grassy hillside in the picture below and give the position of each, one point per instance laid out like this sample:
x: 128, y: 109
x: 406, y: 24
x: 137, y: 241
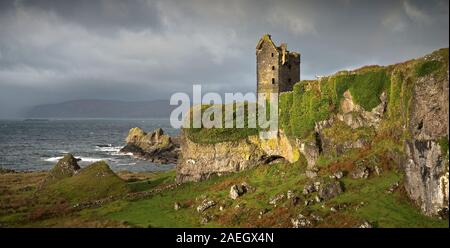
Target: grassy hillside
x: 150, y: 202
x: 93, y: 182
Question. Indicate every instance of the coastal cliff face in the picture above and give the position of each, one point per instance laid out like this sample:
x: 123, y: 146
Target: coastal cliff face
x: 200, y: 161
x: 426, y: 166
x: 398, y: 113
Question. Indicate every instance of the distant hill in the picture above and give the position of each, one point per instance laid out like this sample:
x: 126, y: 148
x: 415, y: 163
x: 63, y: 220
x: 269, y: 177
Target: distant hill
x: 102, y: 109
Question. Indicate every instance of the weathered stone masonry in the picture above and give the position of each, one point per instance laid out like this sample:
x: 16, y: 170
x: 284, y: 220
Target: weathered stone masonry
x: 277, y: 68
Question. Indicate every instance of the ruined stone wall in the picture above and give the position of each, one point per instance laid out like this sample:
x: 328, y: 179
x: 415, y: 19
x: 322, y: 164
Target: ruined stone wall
x: 289, y: 72
x: 267, y: 66
x: 277, y: 69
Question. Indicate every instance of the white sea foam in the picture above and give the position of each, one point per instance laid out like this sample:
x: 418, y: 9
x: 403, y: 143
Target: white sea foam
x: 118, y: 153
x: 89, y: 159
x: 82, y: 159
x: 53, y: 159
x: 114, y: 149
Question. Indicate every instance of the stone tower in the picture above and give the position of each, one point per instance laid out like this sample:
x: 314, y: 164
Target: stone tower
x: 277, y: 69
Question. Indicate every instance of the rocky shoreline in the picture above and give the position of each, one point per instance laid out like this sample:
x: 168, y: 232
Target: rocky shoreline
x: 155, y: 146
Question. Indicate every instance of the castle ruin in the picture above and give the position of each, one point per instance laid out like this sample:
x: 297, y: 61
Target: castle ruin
x: 277, y: 69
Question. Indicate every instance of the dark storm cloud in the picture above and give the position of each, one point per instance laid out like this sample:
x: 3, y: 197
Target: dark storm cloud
x: 53, y: 51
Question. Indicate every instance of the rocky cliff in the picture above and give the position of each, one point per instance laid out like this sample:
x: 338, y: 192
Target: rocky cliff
x: 200, y: 161
x: 155, y: 146
x: 426, y: 166
x: 394, y: 117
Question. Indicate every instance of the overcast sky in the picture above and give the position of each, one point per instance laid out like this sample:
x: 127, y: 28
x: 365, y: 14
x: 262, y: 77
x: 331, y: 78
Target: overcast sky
x: 52, y: 51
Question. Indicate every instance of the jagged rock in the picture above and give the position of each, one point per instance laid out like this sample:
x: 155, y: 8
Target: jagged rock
x: 290, y: 194
x: 337, y: 175
x: 426, y: 164
x: 366, y: 224
x: 310, y: 150
x: 205, y: 219
x: 200, y: 161
x: 262, y: 212
x: 317, y: 218
x: 301, y: 222
x: 309, y: 188
x: 274, y: 200
x: 66, y: 167
x: 443, y: 213
x: 177, y: 206
x: 205, y: 205
x: 311, y: 173
x: 393, y: 188
x: 317, y: 199
x: 355, y: 116
x: 360, y: 172
x: 154, y: 146
x: 308, y: 202
x: 378, y: 170
x: 330, y: 190
x: 237, y: 190
x: 294, y: 200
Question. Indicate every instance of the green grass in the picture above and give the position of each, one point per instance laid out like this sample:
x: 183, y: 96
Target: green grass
x: 302, y: 108
x: 383, y: 209
x: 340, y: 133
x: 368, y: 86
x: 91, y: 183
x: 160, y: 178
x: 380, y: 208
x: 443, y: 143
x: 217, y: 135
x: 424, y: 68
x: 158, y: 211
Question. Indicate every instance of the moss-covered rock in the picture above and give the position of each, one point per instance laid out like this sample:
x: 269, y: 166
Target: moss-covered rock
x: 65, y: 168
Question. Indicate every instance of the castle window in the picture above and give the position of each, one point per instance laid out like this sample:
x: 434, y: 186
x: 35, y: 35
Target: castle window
x: 272, y: 54
x: 273, y: 68
x: 289, y: 66
x: 273, y: 80
x: 289, y: 80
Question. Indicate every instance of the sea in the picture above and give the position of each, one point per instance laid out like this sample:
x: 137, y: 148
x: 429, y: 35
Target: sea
x: 38, y: 144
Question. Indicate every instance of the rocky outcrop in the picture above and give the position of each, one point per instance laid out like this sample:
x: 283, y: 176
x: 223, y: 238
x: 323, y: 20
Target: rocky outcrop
x: 355, y: 116
x: 201, y: 161
x: 346, y: 129
x: 68, y: 182
x: 237, y: 190
x: 155, y: 146
x: 426, y: 166
x: 330, y: 190
x: 65, y: 168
